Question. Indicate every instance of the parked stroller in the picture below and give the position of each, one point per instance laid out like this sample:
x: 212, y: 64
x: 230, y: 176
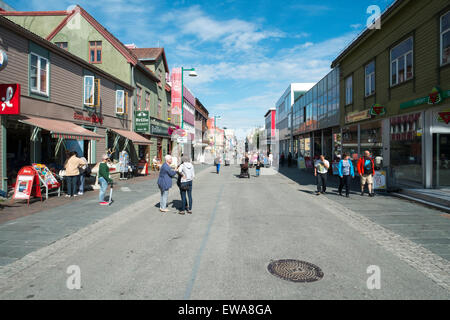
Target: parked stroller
x: 244, y: 171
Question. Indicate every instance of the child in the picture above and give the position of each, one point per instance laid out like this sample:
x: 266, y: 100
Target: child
x: 258, y: 168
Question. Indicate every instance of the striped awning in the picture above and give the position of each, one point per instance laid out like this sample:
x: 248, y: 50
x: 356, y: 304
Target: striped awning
x: 62, y: 129
x: 133, y: 137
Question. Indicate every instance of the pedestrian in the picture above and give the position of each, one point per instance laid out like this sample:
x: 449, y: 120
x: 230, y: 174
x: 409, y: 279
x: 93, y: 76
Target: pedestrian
x: 289, y: 160
x: 217, y: 162
x: 366, y: 170
x: 103, y: 179
x: 270, y: 159
x: 282, y: 159
x: 187, y: 172
x: 83, y: 173
x: 321, y: 167
x: 258, y: 168
x: 165, y: 182
x: 346, y: 172
x: 72, y: 166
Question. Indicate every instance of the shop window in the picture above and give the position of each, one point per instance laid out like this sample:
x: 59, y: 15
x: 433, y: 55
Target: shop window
x: 371, y: 138
x: 91, y: 91
x: 62, y: 45
x: 349, y: 90
x: 370, y: 79
x: 402, y: 62
x: 445, y: 39
x: 138, y: 97
x: 95, y: 51
x: 147, y: 101
x: 39, y: 74
x: 350, y: 142
x: 121, y: 102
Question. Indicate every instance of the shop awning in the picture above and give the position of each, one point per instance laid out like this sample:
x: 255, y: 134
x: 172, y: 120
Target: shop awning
x: 133, y: 137
x: 62, y: 129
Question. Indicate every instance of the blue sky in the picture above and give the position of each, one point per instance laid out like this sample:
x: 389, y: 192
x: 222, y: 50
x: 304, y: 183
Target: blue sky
x: 245, y: 52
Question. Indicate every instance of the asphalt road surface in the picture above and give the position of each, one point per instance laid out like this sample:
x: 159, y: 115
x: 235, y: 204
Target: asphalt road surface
x: 222, y: 251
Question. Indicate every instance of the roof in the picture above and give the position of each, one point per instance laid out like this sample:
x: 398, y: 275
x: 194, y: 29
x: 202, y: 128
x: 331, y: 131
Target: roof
x: 60, y: 128
x: 386, y: 14
x: 201, y: 108
x: 150, y: 54
x: 270, y: 110
x: 4, y: 22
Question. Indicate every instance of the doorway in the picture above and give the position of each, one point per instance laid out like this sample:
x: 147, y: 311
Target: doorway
x: 441, y: 160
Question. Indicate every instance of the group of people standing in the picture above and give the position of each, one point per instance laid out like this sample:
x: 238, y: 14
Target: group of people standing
x: 75, y: 174
x: 186, y: 175
x: 346, y: 171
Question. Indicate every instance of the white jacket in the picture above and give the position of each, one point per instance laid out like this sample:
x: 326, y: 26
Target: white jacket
x: 187, y: 170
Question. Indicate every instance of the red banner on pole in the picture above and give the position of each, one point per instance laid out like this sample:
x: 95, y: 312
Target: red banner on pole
x: 176, y: 91
x: 9, y: 98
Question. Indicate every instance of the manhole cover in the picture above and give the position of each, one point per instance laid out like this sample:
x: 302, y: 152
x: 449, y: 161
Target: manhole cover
x: 295, y: 271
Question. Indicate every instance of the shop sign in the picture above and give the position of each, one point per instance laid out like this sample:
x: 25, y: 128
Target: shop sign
x: 27, y: 184
x: 435, y: 97
x: 444, y: 116
x: 10, y: 98
x: 92, y: 119
x: 158, y: 130
x: 379, y: 180
x: 142, y: 121
x: 358, y: 116
x: 378, y: 110
x: 3, y: 60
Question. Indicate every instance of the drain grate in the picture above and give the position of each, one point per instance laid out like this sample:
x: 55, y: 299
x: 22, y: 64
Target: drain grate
x: 295, y: 271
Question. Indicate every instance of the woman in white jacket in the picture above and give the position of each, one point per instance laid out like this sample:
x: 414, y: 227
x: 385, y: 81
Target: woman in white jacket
x: 187, y: 172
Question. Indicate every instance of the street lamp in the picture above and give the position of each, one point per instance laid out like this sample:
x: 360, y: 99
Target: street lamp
x: 193, y: 74
x: 215, y: 129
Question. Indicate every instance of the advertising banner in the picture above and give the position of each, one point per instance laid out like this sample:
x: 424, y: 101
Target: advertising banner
x: 23, y: 188
x: 176, y: 91
x: 9, y: 99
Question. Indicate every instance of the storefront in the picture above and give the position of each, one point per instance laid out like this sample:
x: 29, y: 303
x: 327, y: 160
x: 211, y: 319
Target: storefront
x: 159, y: 132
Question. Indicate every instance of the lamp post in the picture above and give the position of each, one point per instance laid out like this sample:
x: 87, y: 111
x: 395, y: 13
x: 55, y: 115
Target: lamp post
x: 192, y: 73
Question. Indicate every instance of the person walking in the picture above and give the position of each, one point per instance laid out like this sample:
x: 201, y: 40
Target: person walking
x: 165, y: 182
x: 258, y: 168
x: 289, y: 160
x: 321, y: 167
x: 103, y: 179
x: 270, y: 159
x: 72, y: 173
x: 346, y: 172
x: 83, y: 173
x: 366, y: 170
x: 217, y: 162
x: 187, y: 172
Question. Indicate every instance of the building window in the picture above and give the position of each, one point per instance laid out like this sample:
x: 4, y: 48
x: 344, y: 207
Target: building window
x: 95, y: 51
x: 147, y: 101
x: 120, y: 101
x: 402, y: 62
x: 91, y: 91
x: 349, y: 90
x: 370, y: 79
x: 445, y: 38
x: 62, y: 45
x: 138, y: 97
x: 39, y: 69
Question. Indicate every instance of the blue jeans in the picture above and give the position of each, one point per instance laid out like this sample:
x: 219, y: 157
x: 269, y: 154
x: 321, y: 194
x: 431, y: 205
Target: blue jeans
x: 71, y: 184
x: 164, y: 197
x: 103, y: 187
x: 183, y: 197
x: 218, y: 167
x: 82, y: 178
x: 257, y: 172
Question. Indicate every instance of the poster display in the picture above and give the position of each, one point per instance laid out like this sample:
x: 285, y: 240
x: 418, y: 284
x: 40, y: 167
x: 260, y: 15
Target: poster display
x: 176, y: 91
x: 379, y: 180
x: 46, y: 175
x: 24, y: 184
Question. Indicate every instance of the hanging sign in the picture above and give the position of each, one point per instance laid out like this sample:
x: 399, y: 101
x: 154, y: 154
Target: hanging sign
x: 435, y: 97
x: 9, y: 99
x: 378, y: 110
x: 142, y: 121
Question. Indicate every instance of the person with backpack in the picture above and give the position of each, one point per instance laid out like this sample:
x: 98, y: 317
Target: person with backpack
x: 187, y: 172
x: 346, y: 172
x: 366, y: 169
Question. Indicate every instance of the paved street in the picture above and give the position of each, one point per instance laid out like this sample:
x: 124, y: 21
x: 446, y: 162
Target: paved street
x: 222, y: 251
